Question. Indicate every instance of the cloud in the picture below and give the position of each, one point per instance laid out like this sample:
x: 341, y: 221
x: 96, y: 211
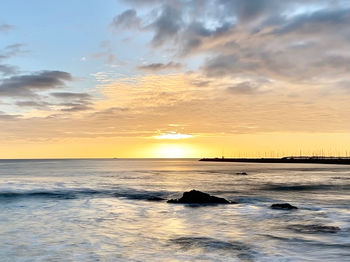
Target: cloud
x: 76, y: 101
x: 127, y: 20
x: 201, y: 83
x: 27, y: 85
x: 154, y: 67
x: 144, y: 2
x: 286, y: 53
x: 75, y: 107
x: 4, y: 116
x: 243, y: 88
x: 6, y: 27
x: 251, y: 10
x: 291, y: 67
x: 197, y: 35
x: 6, y: 70
x: 65, y: 102
x: 318, y: 22
x: 34, y: 104
x: 11, y: 50
x: 289, y: 40
x: 148, y: 103
x: 166, y: 25
x: 108, y: 54
x: 70, y: 95
x: 299, y: 48
x: 8, y: 52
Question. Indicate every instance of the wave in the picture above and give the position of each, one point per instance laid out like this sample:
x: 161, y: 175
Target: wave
x: 311, y: 242
x: 241, y: 250
x: 39, y: 194
x: 313, y: 228
x: 341, y: 178
x: 81, y: 193
x: 305, y: 187
x: 142, y: 195
x: 254, y: 199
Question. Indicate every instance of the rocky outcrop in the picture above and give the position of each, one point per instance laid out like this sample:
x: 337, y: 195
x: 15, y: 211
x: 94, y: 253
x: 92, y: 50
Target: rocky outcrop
x: 198, y: 197
x: 283, y: 206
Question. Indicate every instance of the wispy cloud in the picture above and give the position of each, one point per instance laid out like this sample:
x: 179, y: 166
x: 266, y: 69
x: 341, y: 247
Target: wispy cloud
x: 154, y: 67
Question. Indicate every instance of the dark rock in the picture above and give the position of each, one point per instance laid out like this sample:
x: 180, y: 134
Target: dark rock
x: 155, y: 199
x: 198, y: 197
x: 242, y: 173
x: 283, y: 206
x: 314, y: 228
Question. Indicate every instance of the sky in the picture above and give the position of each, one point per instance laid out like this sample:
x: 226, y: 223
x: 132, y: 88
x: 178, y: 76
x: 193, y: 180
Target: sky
x: 180, y: 78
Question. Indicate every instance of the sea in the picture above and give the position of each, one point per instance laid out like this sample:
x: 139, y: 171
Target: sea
x: 100, y: 210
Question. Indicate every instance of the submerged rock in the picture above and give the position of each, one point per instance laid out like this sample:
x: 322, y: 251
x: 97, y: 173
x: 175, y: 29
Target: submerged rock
x: 283, y: 206
x: 198, y: 197
x: 242, y: 173
x: 314, y: 228
x: 155, y: 199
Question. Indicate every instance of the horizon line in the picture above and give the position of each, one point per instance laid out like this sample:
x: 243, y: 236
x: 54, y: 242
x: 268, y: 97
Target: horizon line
x: 165, y: 158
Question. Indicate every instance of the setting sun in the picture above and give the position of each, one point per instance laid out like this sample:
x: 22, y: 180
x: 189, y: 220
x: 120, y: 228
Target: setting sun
x: 173, y: 151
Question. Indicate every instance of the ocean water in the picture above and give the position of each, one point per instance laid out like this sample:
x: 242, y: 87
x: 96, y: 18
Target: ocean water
x: 97, y: 210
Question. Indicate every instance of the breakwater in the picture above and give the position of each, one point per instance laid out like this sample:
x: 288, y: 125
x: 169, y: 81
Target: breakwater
x: 300, y: 160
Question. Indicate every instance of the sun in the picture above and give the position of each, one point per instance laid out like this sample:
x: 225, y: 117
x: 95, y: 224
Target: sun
x: 173, y: 151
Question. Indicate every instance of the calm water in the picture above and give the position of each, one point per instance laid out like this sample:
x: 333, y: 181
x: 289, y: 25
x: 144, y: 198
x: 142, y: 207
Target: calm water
x: 97, y: 210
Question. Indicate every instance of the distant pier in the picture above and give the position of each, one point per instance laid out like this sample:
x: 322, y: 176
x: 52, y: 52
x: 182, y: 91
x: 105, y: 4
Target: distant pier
x: 289, y: 159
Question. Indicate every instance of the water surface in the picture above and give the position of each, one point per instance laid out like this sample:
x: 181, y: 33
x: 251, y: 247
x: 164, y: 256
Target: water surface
x: 97, y: 210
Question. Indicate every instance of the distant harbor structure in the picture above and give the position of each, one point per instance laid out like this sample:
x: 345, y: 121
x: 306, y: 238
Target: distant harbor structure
x: 287, y: 159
